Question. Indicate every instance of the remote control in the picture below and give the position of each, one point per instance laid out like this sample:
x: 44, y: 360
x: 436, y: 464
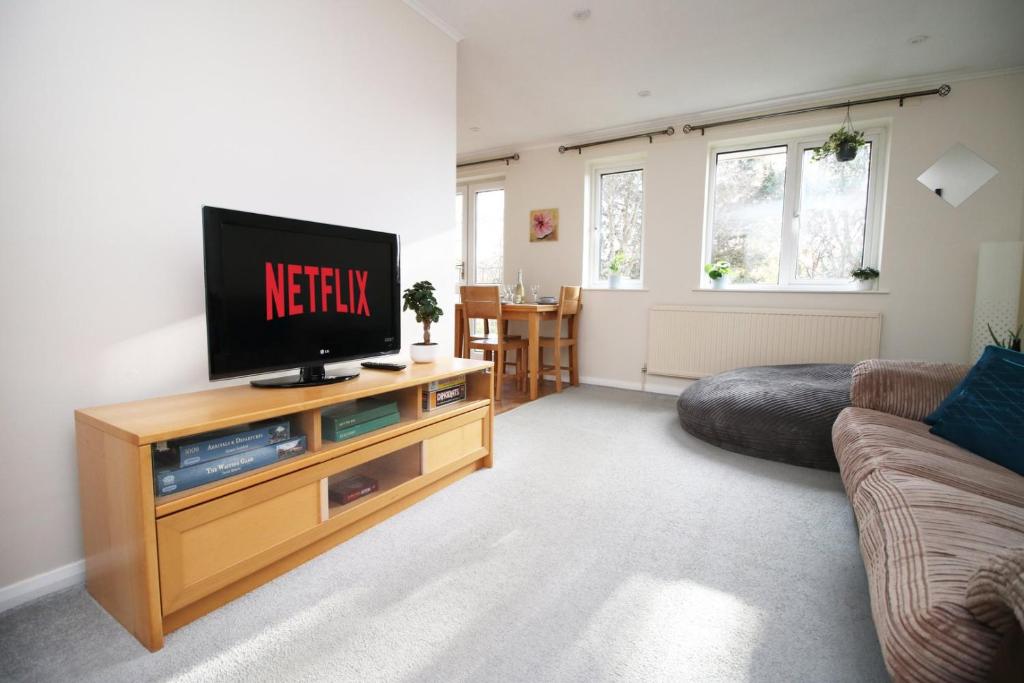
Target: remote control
x: 377, y: 365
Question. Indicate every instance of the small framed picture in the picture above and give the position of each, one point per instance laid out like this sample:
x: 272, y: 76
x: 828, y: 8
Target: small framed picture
x: 544, y: 225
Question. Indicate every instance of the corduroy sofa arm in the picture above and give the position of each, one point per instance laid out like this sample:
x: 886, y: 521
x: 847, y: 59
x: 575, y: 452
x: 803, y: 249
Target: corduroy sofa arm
x: 995, y: 592
x: 904, y: 388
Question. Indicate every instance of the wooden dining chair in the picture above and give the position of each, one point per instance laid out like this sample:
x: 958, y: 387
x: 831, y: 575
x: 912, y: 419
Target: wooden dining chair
x: 569, y: 306
x: 484, y: 303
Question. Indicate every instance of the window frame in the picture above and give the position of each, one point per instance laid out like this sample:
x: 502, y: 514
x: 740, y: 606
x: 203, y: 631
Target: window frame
x: 591, y: 254
x: 469, y: 191
x: 796, y: 143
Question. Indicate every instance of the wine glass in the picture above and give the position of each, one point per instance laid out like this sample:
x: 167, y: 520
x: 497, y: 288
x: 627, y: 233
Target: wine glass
x: 534, y: 293
x: 506, y: 293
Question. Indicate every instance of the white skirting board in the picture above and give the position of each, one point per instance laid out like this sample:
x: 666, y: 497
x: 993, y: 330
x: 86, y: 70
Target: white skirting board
x: 42, y: 584
x: 998, y: 292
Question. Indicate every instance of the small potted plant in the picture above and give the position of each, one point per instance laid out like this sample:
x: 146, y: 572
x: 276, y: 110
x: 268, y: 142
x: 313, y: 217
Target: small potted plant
x: 615, y: 269
x: 865, y: 277
x: 718, y: 272
x: 843, y: 143
x: 420, y: 300
x: 1012, y: 342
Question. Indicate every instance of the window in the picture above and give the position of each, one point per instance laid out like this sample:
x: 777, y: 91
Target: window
x: 782, y: 219
x: 480, y: 217
x: 617, y: 225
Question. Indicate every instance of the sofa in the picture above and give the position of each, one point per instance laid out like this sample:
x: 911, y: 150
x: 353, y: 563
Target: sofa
x: 941, y: 530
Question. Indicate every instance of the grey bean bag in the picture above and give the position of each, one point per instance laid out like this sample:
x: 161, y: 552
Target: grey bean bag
x: 778, y: 412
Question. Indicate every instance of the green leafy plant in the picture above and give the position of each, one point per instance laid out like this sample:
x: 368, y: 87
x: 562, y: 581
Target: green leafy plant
x: 843, y: 136
x: 717, y: 270
x: 617, y: 262
x: 420, y: 300
x: 1012, y: 342
x: 865, y: 273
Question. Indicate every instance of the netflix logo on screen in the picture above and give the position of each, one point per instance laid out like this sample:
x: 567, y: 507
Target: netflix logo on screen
x: 298, y: 289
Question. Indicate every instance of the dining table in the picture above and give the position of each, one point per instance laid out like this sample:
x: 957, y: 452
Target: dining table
x: 532, y: 314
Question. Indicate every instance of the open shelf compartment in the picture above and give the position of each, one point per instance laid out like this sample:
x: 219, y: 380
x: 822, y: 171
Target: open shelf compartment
x: 386, y: 472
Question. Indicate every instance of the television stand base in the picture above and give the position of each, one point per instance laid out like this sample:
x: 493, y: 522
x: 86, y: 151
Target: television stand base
x: 308, y: 377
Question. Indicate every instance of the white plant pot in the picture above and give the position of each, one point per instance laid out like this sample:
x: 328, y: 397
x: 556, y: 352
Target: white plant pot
x: 424, y: 353
x: 614, y: 280
x: 865, y: 285
x: 718, y: 284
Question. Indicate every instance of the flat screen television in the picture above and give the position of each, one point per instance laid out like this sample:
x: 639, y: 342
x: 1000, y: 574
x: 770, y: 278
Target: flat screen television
x: 284, y: 293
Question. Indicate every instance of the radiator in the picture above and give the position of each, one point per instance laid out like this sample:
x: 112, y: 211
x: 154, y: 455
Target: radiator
x: 696, y: 341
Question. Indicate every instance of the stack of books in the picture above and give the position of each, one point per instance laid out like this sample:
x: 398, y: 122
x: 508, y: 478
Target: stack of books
x: 187, y: 463
x: 444, y: 392
x: 356, y: 418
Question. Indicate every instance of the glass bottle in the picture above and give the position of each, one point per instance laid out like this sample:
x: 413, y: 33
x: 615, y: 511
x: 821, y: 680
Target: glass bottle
x: 520, y: 295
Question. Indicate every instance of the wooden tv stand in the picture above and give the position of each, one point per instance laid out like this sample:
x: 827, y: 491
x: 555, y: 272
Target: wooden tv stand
x: 157, y: 563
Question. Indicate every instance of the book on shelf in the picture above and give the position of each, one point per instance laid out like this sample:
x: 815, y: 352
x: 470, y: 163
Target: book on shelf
x: 193, y: 450
x: 444, y: 392
x: 355, y: 412
x: 361, y: 428
x: 171, y: 479
x: 350, y: 489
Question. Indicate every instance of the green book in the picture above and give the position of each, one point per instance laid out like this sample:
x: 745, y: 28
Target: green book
x: 355, y: 412
x: 362, y: 427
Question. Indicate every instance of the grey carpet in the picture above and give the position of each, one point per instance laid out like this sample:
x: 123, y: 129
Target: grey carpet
x: 778, y: 412
x: 606, y: 544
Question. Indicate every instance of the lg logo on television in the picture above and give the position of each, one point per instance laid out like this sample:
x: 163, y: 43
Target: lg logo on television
x: 325, y: 352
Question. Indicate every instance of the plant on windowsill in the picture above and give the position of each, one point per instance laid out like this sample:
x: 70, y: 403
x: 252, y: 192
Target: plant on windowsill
x: 1012, y: 342
x: 718, y: 272
x: 615, y: 269
x: 865, y: 277
x: 843, y: 143
x: 420, y: 300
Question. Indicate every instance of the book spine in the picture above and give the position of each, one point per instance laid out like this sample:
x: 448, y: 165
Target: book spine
x: 179, y: 479
x: 441, y: 384
x: 332, y: 423
x: 363, y: 427
x: 196, y: 452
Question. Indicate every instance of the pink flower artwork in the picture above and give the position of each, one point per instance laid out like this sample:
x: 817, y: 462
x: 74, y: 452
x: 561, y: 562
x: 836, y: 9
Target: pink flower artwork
x: 544, y: 225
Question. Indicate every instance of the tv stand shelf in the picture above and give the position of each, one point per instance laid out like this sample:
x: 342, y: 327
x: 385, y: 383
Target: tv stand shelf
x: 157, y: 563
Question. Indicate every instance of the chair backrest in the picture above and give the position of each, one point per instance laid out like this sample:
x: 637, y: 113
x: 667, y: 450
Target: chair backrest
x: 481, y: 301
x: 569, y: 300
x: 569, y: 305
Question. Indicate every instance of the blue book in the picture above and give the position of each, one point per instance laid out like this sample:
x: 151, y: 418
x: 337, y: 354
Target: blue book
x: 173, y: 479
x: 207, y: 447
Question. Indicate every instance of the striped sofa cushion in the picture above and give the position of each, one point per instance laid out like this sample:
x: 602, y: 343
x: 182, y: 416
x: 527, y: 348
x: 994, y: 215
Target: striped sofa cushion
x: 922, y: 541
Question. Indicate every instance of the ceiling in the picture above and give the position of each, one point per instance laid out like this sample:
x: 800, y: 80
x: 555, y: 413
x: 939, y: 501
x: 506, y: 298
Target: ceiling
x: 531, y: 72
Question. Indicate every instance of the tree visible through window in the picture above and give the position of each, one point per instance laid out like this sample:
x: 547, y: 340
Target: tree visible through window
x: 619, y: 222
x: 780, y: 218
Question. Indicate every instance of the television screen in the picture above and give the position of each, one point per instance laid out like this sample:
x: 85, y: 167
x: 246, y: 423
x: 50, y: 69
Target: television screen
x: 284, y: 293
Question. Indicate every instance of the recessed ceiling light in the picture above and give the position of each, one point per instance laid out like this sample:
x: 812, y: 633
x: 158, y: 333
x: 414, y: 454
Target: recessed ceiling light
x: 474, y: 129
x: 644, y: 93
x: 581, y: 14
x: 917, y: 40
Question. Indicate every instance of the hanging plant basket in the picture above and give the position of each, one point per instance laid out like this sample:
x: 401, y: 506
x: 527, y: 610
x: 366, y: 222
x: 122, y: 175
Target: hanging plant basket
x: 842, y: 143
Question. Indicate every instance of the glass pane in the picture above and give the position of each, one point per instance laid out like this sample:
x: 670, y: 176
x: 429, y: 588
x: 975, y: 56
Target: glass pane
x: 833, y: 212
x: 490, y: 235
x: 747, y: 228
x: 622, y: 222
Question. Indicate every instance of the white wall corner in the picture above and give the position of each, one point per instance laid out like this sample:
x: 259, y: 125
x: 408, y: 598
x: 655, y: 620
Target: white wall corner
x: 437, y: 21
x: 37, y: 586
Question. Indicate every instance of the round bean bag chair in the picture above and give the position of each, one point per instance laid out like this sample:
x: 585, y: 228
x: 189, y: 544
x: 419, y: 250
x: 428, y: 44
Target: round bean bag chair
x: 778, y: 412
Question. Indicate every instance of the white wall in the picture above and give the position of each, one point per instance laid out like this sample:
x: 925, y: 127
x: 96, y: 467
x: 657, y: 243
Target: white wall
x: 120, y: 119
x: 929, y: 247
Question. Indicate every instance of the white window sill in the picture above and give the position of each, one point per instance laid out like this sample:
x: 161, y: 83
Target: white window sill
x: 791, y: 290
x: 615, y: 289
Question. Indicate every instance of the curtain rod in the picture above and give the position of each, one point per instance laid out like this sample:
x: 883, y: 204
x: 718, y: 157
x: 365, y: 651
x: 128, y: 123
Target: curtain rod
x: 508, y: 160
x: 941, y: 91
x: 650, y: 137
